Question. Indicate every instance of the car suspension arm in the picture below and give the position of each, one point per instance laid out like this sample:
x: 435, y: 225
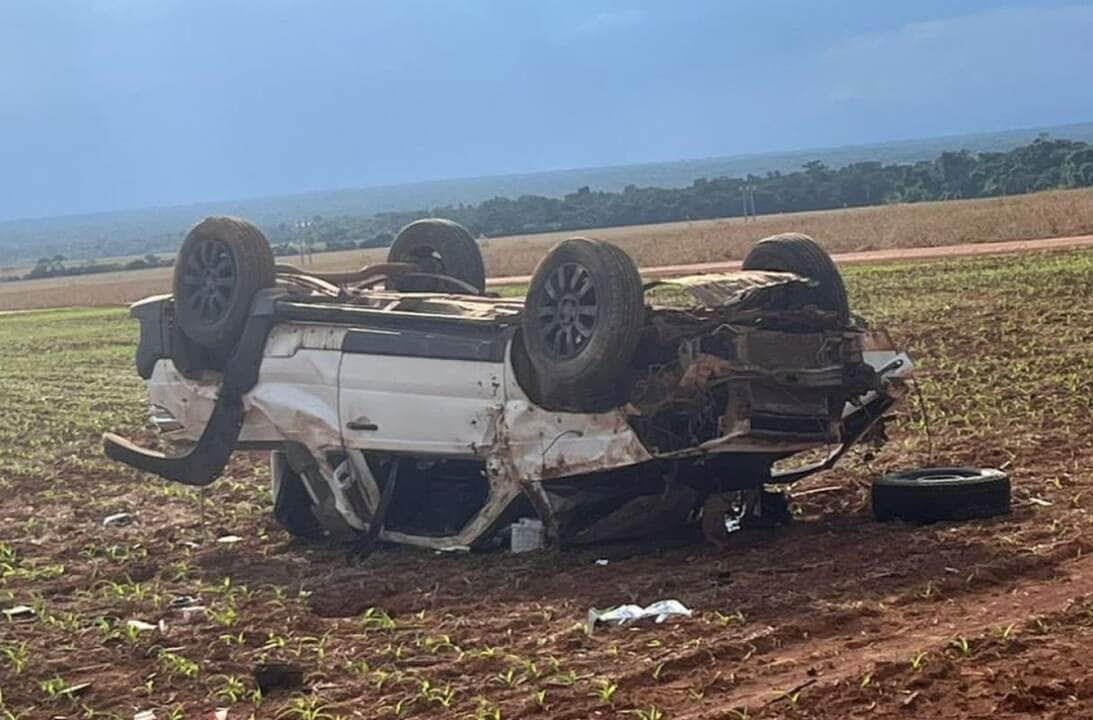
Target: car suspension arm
x: 205, y: 460
x: 364, y: 547
x: 855, y: 426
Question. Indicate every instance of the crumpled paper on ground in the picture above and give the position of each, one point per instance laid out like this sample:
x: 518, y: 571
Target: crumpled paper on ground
x: 660, y: 610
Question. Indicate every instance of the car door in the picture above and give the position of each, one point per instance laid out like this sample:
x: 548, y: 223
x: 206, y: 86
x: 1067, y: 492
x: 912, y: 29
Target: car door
x: 423, y: 389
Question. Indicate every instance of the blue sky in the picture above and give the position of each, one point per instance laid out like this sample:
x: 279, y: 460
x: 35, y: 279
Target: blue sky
x: 108, y: 104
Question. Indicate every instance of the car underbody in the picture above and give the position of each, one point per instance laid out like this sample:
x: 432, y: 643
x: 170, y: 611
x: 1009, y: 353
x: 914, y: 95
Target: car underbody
x: 402, y: 402
x: 431, y: 391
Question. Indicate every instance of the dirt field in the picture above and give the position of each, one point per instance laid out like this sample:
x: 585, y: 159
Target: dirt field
x: 834, y: 617
x: 1022, y: 217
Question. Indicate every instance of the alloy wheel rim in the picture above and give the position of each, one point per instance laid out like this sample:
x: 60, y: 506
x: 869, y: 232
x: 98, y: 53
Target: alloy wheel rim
x: 568, y: 311
x: 209, y: 279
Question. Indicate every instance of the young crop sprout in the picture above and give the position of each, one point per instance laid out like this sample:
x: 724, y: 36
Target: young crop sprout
x: 377, y: 619
x: 961, y: 644
x: 605, y: 691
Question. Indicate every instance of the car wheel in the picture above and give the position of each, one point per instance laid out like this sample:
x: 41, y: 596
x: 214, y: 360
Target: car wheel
x: 801, y: 255
x: 942, y: 493
x: 222, y: 263
x: 437, y: 247
x: 581, y: 324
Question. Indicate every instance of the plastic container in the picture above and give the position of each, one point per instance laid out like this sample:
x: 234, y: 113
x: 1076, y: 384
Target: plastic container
x: 527, y: 535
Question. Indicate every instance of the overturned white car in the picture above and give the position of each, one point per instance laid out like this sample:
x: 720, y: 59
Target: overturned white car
x: 402, y: 402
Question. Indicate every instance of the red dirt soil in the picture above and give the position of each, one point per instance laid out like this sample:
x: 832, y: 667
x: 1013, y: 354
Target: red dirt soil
x: 835, y: 616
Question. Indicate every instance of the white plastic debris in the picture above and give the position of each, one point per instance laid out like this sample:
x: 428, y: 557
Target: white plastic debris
x: 19, y: 612
x: 140, y: 625
x: 228, y: 539
x: 601, y: 562
x: 145, y: 715
x: 453, y: 549
x: 192, y: 613
x: 623, y: 614
x: 117, y: 520
x: 218, y: 714
x: 527, y: 535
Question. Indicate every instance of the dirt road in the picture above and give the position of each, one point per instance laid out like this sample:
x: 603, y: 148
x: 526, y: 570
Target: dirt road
x: 868, y: 256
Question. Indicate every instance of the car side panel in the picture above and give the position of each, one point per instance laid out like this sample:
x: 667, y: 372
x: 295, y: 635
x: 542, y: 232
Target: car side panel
x: 419, y: 405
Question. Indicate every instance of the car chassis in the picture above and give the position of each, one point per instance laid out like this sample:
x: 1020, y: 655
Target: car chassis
x: 409, y: 417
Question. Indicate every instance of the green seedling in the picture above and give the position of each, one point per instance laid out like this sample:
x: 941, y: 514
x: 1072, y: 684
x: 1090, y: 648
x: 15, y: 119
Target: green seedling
x: 176, y: 664
x: 605, y: 691
x: 15, y: 656
x: 961, y: 644
x: 232, y: 689
x: 377, y: 619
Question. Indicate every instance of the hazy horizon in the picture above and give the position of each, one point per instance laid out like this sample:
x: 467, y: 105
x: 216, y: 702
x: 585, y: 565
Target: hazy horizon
x: 120, y: 104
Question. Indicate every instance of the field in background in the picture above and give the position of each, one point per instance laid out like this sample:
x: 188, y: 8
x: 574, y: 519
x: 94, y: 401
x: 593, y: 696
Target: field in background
x: 1040, y: 215
x: 836, y: 616
x: 160, y: 229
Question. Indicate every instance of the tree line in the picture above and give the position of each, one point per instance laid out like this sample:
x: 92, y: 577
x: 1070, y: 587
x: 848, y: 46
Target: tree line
x: 1044, y: 164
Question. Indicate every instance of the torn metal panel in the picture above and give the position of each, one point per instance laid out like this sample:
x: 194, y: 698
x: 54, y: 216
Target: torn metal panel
x: 542, y: 444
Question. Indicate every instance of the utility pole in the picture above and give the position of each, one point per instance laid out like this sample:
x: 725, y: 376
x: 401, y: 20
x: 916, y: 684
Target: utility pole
x: 304, y: 241
x: 748, y: 196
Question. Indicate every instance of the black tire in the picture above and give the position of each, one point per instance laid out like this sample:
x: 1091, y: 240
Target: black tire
x: 944, y: 493
x: 582, y: 321
x: 440, y: 247
x: 800, y: 254
x: 222, y: 263
x: 292, y: 503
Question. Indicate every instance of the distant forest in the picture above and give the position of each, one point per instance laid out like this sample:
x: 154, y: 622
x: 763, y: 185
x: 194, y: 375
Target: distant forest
x: 1043, y: 164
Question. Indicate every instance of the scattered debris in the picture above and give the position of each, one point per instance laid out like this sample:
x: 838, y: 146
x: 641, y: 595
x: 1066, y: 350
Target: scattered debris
x: 190, y: 614
x: 601, y: 561
x: 74, y: 691
x: 817, y: 491
x: 140, y: 625
x: 218, y: 714
x: 228, y: 539
x: 278, y: 676
x: 117, y: 520
x: 182, y: 601
x: 19, y: 613
x: 623, y: 614
x: 527, y: 535
x: 144, y: 715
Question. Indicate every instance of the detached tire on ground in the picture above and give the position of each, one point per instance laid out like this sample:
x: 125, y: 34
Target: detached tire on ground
x: 222, y: 263
x: 799, y: 254
x: 944, y: 493
x: 437, y: 247
x: 582, y: 321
